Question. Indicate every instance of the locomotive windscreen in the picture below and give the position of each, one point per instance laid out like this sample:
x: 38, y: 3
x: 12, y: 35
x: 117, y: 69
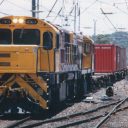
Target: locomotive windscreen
x: 5, y: 36
x: 26, y: 36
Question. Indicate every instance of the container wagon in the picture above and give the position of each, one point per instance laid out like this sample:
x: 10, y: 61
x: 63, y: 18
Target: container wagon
x: 110, y: 61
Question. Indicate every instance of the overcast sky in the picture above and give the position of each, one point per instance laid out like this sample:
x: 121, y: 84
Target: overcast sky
x: 90, y: 12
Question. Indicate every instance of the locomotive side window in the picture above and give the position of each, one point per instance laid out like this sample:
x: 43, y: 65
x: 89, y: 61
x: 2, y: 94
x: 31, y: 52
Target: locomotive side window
x: 5, y: 36
x: 67, y: 38
x: 62, y: 52
x: 47, y: 40
x: 68, y: 53
x: 75, y: 53
x: 26, y: 36
x: 87, y: 48
x: 57, y: 41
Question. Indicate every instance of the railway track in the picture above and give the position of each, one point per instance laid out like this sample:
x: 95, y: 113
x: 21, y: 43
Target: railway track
x: 17, y: 123
x: 72, y: 117
x: 105, y: 116
x: 87, y: 116
x: 114, y: 110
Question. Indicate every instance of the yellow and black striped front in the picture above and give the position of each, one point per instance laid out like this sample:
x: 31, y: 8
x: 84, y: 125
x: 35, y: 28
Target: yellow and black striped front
x: 33, y: 85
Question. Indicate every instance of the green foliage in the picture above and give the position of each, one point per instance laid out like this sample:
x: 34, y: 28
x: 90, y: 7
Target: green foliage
x: 119, y: 38
x: 102, y: 39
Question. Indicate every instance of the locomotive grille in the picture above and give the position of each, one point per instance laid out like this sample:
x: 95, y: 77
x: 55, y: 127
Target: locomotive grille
x: 4, y: 54
x: 18, y: 59
x: 5, y: 64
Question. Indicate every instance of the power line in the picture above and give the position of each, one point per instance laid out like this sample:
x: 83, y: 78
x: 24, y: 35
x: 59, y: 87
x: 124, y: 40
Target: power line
x: 5, y: 13
x: 126, y: 4
x: 2, y: 2
x: 51, y: 8
x: 108, y: 19
x: 17, y: 5
x: 112, y: 6
x: 89, y: 6
x: 58, y: 14
x: 71, y: 11
x: 48, y: 10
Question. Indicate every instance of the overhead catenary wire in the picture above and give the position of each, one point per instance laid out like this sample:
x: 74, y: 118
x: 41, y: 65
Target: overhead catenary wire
x: 2, y: 2
x: 52, y: 8
x: 45, y: 8
x: 5, y: 13
x: 10, y: 2
x: 106, y: 3
x: 89, y: 6
x: 108, y: 19
x: 58, y: 14
x: 126, y: 4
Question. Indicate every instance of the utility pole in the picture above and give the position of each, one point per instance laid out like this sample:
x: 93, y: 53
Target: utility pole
x: 75, y: 19
x: 79, y: 20
x: 62, y: 13
x: 94, y: 34
x: 33, y: 8
x: 38, y: 9
x: 76, y: 16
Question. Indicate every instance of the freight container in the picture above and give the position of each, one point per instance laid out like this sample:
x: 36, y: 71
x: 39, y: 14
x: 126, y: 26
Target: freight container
x: 109, y: 58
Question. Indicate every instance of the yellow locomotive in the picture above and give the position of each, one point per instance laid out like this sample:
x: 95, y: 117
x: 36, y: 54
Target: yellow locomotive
x: 41, y: 64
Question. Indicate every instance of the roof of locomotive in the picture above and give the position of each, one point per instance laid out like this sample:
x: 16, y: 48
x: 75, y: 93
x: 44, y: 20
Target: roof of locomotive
x: 39, y: 21
x: 87, y: 39
x: 42, y: 22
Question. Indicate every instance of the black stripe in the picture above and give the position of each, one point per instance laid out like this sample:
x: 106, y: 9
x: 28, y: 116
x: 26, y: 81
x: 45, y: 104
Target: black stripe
x: 36, y: 87
x: 4, y: 54
x: 5, y: 64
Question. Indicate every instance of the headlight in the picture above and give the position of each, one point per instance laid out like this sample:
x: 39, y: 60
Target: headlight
x: 15, y: 21
x: 21, y: 21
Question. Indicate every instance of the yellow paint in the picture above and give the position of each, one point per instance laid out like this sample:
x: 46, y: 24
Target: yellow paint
x: 39, y: 81
x: 32, y: 92
x: 30, y: 66
x: 21, y: 59
x: 47, y: 60
x: 87, y: 58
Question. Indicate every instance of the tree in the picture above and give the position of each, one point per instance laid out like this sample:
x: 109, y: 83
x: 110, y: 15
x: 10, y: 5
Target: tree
x: 102, y: 39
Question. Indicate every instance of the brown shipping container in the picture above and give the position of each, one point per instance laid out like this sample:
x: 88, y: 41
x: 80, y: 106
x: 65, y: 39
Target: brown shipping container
x: 109, y: 58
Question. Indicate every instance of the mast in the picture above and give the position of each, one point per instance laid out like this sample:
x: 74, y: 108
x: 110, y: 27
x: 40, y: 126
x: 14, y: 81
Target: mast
x: 33, y: 8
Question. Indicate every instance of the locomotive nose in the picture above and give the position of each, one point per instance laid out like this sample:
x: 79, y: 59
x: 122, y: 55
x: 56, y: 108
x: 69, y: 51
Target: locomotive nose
x: 15, y: 59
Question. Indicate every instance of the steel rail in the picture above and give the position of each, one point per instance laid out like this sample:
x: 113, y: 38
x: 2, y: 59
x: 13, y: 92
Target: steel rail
x: 90, y: 119
x: 71, y: 116
x: 18, y: 122
x: 110, y: 113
